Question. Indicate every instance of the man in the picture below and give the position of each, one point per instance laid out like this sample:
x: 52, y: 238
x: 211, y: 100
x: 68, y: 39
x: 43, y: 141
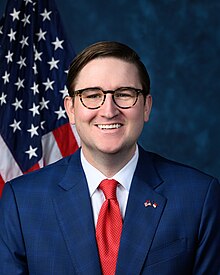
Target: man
x: 168, y: 215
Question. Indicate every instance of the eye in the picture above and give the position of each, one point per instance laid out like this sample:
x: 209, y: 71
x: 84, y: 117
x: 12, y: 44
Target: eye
x: 92, y: 94
x: 122, y: 95
x: 125, y: 93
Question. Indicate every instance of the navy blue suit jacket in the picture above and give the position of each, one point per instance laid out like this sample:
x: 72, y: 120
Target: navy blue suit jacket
x: 47, y: 227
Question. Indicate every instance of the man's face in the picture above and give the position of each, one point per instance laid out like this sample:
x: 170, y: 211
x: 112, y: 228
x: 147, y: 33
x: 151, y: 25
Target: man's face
x: 109, y: 129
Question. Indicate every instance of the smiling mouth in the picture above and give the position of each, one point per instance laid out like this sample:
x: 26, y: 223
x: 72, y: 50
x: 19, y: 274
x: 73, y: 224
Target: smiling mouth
x: 109, y: 126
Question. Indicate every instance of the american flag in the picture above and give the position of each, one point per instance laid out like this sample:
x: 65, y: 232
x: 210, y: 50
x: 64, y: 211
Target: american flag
x: 34, y: 59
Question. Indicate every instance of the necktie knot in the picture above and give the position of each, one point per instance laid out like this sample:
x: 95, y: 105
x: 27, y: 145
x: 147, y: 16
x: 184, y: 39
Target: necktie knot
x: 108, y: 187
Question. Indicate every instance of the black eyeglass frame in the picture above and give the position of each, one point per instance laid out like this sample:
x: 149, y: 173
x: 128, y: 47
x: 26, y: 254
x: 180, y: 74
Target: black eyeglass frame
x: 112, y: 92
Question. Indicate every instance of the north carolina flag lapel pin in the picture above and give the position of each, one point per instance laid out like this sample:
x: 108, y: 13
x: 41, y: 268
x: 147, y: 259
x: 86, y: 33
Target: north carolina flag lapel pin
x: 149, y: 203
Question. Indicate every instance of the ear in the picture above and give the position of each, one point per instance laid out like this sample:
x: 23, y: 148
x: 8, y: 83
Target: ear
x: 147, y: 107
x: 69, y: 107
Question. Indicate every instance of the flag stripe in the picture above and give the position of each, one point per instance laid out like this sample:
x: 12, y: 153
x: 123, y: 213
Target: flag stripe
x: 51, y: 151
x: 65, y: 139
x: 1, y: 185
x: 76, y: 135
x: 9, y: 168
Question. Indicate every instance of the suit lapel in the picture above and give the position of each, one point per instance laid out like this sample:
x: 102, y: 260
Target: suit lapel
x: 140, y: 223
x: 74, y: 213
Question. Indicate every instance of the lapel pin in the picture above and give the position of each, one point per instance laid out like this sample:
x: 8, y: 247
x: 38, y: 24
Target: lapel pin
x: 149, y: 203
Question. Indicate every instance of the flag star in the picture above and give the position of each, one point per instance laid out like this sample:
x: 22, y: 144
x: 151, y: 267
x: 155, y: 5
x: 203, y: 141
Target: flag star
x: 24, y: 41
x: 2, y: 99
x: 9, y: 57
x: 15, y: 14
x: 17, y: 104
x: 64, y: 91
x: 42, y: 125
x: 57, y: 43
x: 22, y: 62
x: 31, y: 152
x: 46, y: 14
x: 33, y: 130
x: 35, y: 88
x: 15, y: 125
x: 6, y: 77
x: 34, y: 110
x: 27, y: 1
x: 1, y: 27
x: 20, y: 83
x: 11, y: 35
x: 53, y: 63
x: 60, y: 113
x: 48, y: 84
x: 26, y: 19
x: 66, y: 71
x: 44, y: 103
x: 37, y: 55
x: 35, y: 68
x: 41, y: 35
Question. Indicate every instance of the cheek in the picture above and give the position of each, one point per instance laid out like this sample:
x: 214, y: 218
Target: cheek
x: 139, y: 114
x: 83, y: 115
x: 139, y: 119
x: 136, y: 120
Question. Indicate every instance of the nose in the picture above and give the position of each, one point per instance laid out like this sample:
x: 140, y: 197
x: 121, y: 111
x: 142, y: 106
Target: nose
x: 109, y: 109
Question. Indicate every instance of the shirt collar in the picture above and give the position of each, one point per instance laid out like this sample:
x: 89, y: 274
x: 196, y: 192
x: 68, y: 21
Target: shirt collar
x: 124, y: 176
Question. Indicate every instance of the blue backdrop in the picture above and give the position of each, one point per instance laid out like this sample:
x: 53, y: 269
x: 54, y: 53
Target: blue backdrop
x: 179, y: 42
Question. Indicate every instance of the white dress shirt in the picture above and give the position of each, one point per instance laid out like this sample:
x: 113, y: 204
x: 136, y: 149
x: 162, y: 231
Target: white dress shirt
x: 124, y: 177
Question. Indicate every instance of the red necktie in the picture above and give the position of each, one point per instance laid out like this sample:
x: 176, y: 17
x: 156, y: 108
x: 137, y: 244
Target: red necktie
x: 109, y: 227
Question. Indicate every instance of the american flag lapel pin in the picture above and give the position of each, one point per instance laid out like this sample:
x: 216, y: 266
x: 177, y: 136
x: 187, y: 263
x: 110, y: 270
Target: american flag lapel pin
x: 149, y: 203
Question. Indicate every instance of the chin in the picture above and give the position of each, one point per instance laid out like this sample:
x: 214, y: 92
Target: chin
x: 113, y: 150
x: 110, y: 151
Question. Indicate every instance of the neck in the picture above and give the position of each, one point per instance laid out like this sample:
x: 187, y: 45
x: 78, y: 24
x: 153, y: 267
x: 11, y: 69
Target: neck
x: 109, y: 164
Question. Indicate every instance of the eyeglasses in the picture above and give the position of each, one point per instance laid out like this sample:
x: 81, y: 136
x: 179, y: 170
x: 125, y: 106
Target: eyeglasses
x: 94, y: 98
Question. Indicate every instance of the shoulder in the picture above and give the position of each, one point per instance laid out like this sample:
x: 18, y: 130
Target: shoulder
x: 174, y: 168
x: 176, y: 172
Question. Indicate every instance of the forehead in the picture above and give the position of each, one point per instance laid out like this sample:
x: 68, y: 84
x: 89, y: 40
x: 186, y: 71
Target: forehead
x: 108, y: 71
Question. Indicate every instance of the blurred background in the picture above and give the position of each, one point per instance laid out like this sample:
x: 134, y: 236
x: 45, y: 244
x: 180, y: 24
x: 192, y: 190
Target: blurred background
x: 179, y: 42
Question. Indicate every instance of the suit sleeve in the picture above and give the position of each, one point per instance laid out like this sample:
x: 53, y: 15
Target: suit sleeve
x: 12, y: 249
x: 207, y: 255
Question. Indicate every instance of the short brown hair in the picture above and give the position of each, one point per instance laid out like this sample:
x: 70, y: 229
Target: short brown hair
x: 107, y: 49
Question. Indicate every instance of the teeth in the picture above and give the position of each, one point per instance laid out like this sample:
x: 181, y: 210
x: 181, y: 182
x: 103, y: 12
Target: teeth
x: 109, y: 126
